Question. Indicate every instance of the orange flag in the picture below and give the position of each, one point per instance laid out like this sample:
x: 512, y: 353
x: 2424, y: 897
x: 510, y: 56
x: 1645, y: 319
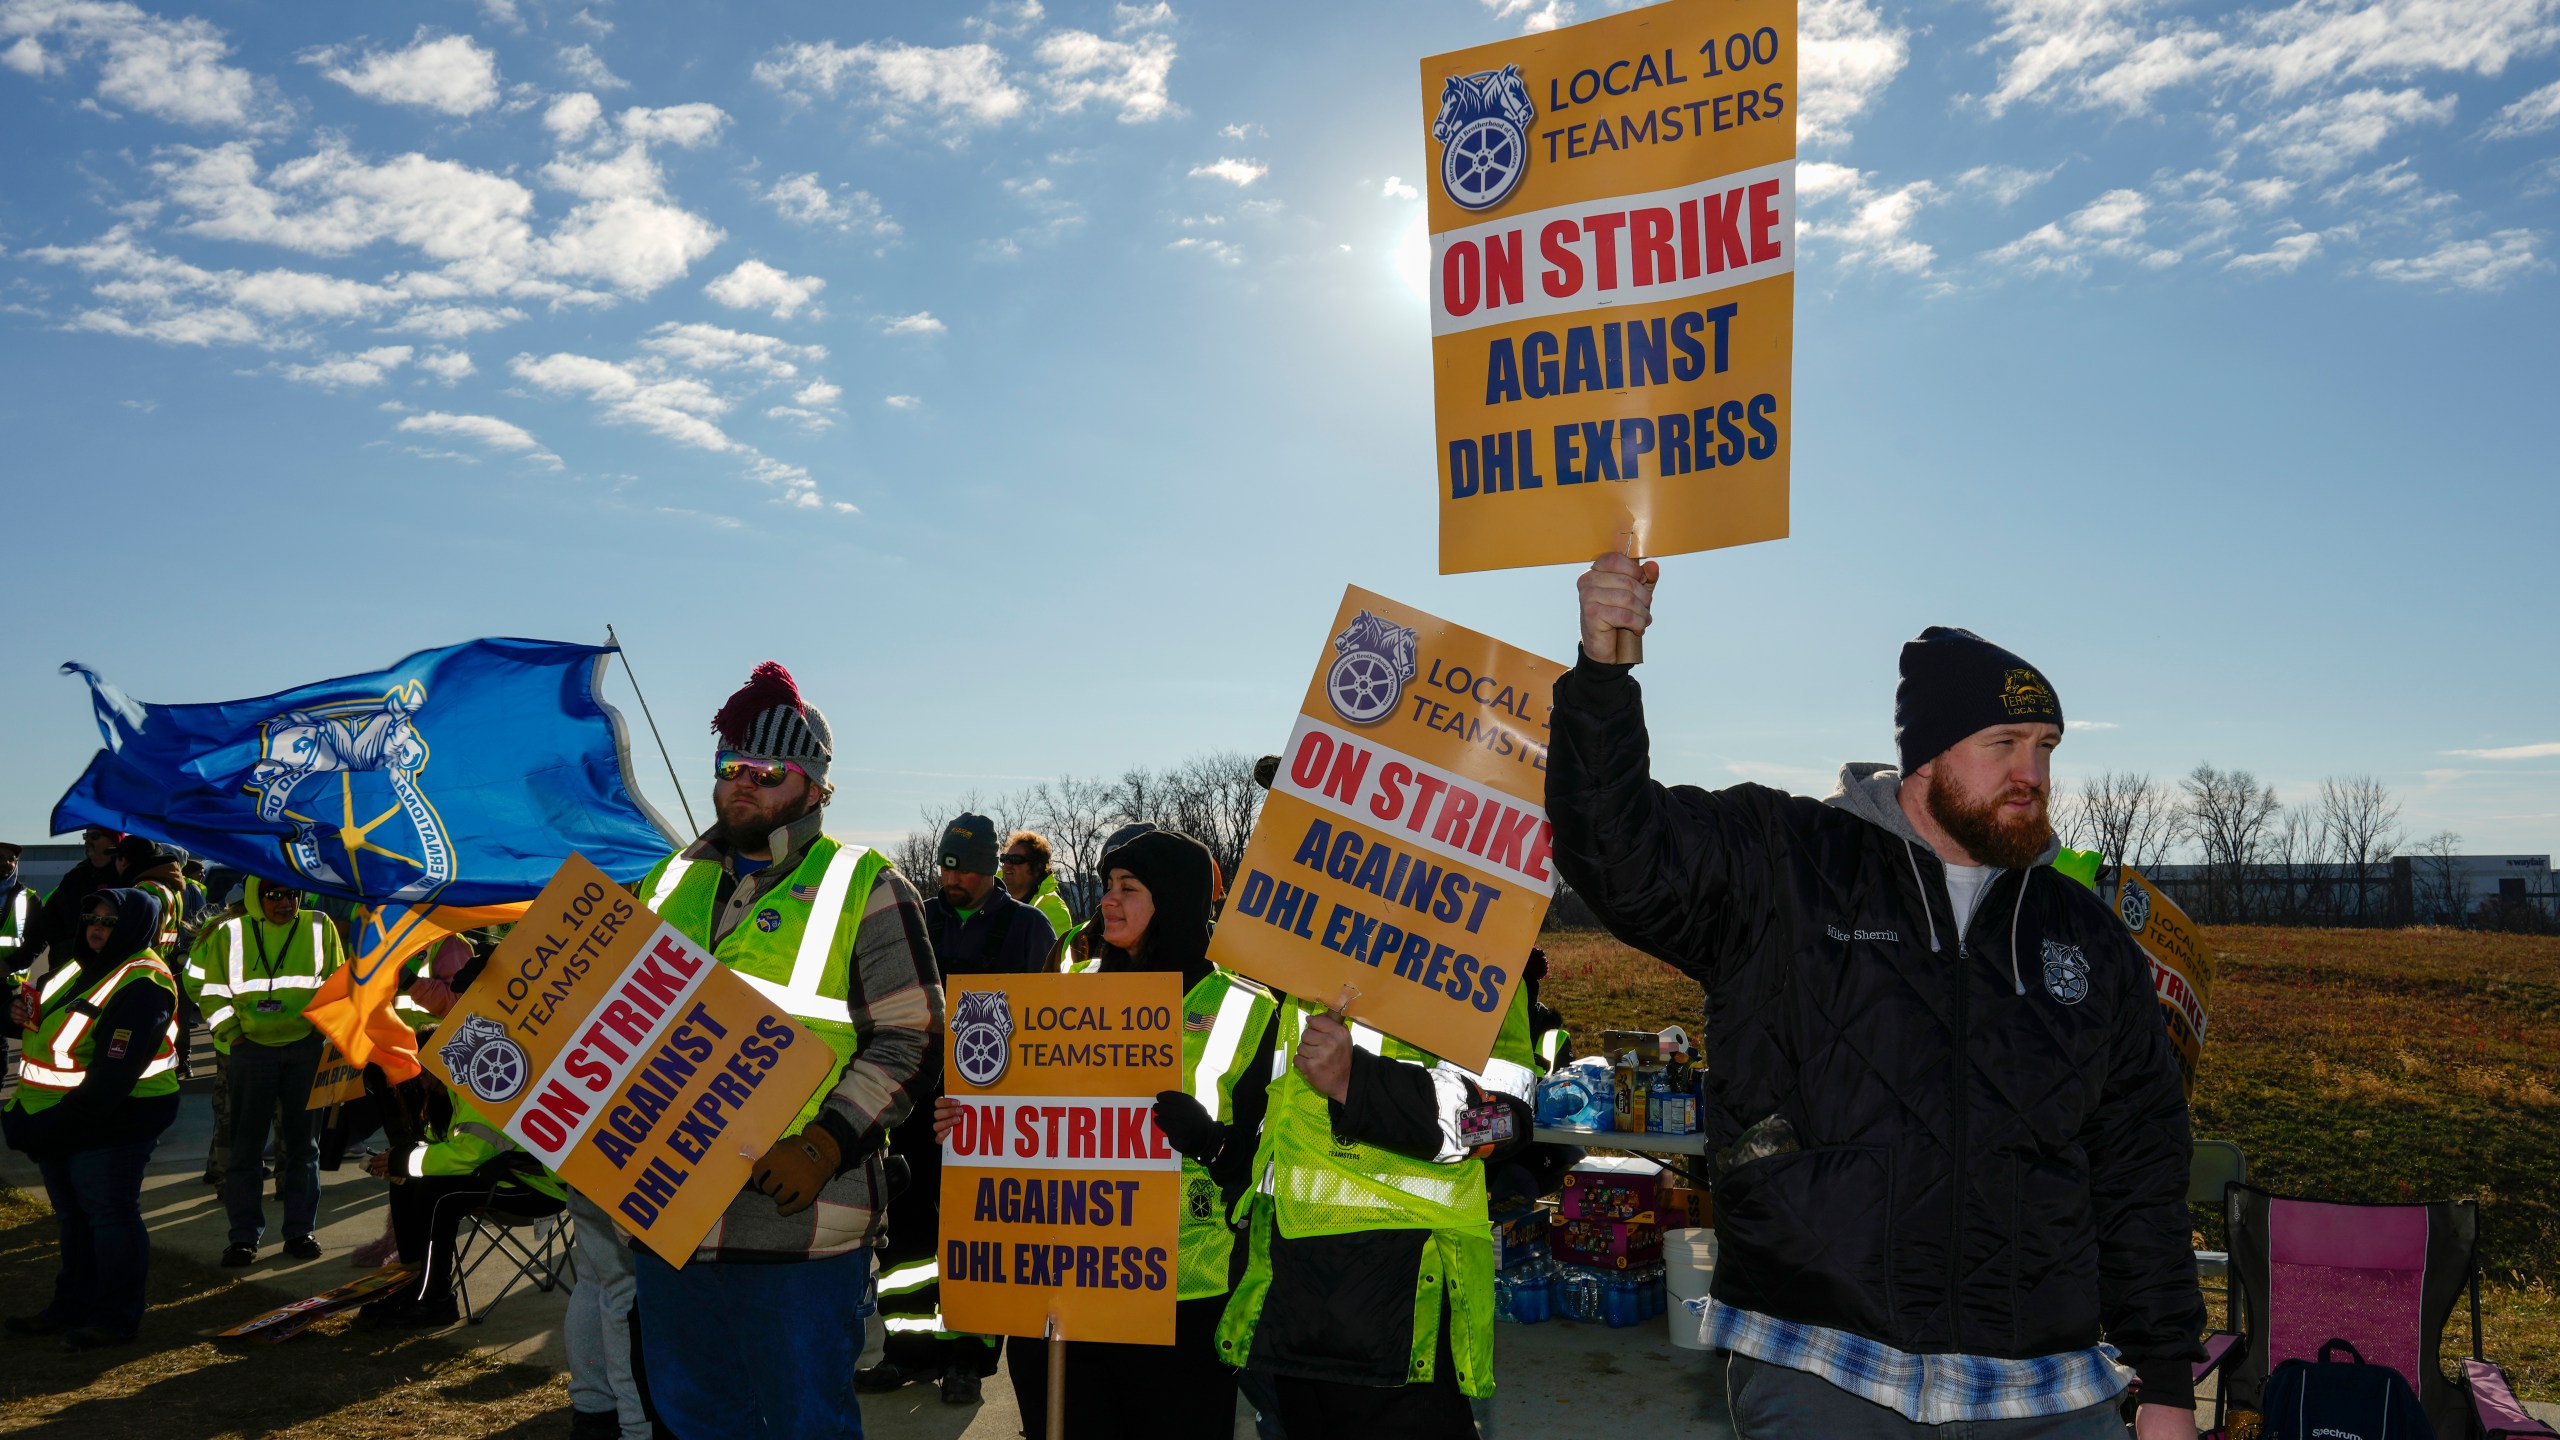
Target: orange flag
x: 353, y: 1006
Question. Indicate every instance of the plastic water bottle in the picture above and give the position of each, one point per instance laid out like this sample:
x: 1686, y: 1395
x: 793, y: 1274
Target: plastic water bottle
x: 1581, y: 1286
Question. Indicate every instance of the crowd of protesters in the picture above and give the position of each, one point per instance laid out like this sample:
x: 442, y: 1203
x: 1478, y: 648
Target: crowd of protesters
x: 1334, y: 1267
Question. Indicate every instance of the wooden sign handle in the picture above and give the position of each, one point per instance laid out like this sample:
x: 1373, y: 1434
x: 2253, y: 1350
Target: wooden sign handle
x: 1630, y: 643
x: 1056, y: 1421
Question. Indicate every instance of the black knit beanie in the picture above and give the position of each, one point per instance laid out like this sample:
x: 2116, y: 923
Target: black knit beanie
x: 1954, y: 682
x: 1177, y: 871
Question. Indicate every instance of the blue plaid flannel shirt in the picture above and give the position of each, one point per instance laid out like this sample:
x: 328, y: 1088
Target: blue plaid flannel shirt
x: 1931, y: 1389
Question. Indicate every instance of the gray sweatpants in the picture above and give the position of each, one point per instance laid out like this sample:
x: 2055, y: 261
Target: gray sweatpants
x: 598, y: 1329
x: 1772, y: 1402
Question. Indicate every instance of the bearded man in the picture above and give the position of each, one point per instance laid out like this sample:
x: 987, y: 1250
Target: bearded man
x: 1950, y: 1142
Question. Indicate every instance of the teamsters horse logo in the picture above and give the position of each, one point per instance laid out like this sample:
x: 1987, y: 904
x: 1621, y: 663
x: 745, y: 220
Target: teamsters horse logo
x: 2135, y: 906
x: 1483, y: 130
x: 484, y: 1057
x: 2066, y: 973
x: 1376, y: 659
x: 373, y: 747
x: 981, y: 1032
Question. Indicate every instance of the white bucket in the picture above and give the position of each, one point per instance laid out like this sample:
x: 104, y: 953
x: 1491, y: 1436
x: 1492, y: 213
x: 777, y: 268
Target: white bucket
x: 1688, y: 1263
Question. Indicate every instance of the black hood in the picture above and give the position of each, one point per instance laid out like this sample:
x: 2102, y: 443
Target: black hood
x: 137, y: 925
x: 1177, y: 871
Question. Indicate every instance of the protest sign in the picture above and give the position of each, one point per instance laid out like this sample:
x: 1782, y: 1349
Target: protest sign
x: 1402, y: 855
x: 336, y: 1082
x: 2181, y: 966
x: 1058, y: 1190
x: 627, y: 1059
x: 1613, y: 220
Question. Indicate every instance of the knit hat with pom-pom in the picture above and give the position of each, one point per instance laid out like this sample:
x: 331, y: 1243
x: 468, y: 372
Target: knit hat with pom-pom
x: 767, y: 720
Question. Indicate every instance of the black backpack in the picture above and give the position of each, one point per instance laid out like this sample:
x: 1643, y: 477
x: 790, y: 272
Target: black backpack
x: 2323, y: 1400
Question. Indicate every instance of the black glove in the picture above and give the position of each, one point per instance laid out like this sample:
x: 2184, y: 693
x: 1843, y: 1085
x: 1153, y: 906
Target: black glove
x: 1188, y: 1126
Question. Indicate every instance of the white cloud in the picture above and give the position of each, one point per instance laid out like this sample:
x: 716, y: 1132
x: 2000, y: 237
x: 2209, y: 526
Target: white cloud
x: 711, y: 347
x: 1534, y: 15
x: 1128, y: 74
x: 1868, y: 224
x: 2005, y: 184
x: 2110, y: 226
x: 963, y: 83
x: 1245, y: 130
x: 806, y: 199
x: 2475, y: 264
x: 754, y: 285
x: 1396, y: 189
x: 452, y: 322
x: 815, y: 422
x: 1848, y: 57
x: 585, y: 67
x: 920, y: 323
x: 817, y: 393
x: 1125, y: 18
x: 2547, y: 750
x: 680, y: 408
x: 485, y: 430
x: 447, y: 365
x: 451, y: 75
x: 1238, y: 173
x: 1223, y: 252
x: 2531, y: 115
x: 902, y: 402
x: 168, y: 69
x: 370, y: 367
x: 2324, y: 136
x: 573, y: 115
x: 688, y: 126
x: 2283, y: 257
x: 1006, y: 19
x: 148, y: 295
x: 27, y: 57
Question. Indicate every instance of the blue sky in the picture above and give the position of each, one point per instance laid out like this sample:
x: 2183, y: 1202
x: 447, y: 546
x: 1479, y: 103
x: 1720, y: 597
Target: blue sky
x: 1031, y: 379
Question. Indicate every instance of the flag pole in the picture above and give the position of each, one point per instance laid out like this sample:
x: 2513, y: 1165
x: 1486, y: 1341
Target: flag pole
x: 616, y: 642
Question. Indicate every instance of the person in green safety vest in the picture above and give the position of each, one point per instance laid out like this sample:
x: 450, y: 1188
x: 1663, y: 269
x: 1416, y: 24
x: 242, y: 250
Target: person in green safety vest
x: 97, y: 1084
x: 1369, y: 1295
x: 458, y: 1163
x: 18, y: 908
x: 1025, y: 871
x: 761, y: 1330
x: 1154, y: 914
x: 251, y: 976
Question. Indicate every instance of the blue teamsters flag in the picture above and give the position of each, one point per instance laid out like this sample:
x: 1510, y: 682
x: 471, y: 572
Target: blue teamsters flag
x: 462, y: 776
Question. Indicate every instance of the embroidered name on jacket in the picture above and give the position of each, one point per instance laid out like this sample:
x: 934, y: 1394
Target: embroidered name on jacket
x: 1836, y: 933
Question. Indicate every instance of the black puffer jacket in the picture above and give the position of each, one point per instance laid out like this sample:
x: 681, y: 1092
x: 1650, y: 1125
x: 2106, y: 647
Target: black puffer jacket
x: 1993, y: 1140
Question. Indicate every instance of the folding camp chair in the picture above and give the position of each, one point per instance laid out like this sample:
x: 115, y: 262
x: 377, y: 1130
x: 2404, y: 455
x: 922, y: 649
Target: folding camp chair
x: 2385, y: 1278
x: 527, y: 1249
x: 2217, y: 1163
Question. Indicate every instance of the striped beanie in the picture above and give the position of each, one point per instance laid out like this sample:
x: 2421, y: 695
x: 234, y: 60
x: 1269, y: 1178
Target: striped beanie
x: 767, y: 720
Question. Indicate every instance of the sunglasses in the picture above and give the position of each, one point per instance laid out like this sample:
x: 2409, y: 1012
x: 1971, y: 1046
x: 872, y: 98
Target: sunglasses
x: 766, y: 773
x: 1015, y: 859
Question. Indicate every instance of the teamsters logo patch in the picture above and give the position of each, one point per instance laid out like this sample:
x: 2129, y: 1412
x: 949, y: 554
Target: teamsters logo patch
x: 981, y: 1036
x: 483, y: 1057
x: 2066, y: 973
x: 2024, y: 692
x: 1483, y: 130
x: 1376, y: 659
x: 2135, y: 906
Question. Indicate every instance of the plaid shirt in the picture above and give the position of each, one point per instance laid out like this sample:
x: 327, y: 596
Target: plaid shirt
x: 1931, y: 1389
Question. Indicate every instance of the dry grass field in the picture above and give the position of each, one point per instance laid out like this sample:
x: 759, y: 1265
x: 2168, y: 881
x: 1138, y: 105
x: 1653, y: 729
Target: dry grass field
x: 2347, y: 1064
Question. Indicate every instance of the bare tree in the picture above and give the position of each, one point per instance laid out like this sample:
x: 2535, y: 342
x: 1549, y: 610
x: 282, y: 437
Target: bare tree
x: 2227, y: 813
x: 2438, y: 878
x: 2363, y: 825
x: 2292, y: 856
x: 2121, y: 815
x: 1075, y: 815
x: 917, y: 856
x: 1213, y: 799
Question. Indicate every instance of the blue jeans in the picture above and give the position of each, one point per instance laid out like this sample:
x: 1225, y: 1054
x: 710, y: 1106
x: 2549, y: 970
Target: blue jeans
x: 273, y: 1082
x: 1772, y: 1402
x: 106, y: 1250
x: 754, y: 1350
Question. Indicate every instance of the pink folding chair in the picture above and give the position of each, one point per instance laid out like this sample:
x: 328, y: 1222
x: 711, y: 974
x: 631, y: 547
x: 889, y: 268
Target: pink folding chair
x: 2384, y: 1278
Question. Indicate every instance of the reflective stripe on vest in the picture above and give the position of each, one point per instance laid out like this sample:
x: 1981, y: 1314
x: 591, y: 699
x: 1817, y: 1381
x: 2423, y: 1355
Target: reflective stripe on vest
x: 1213, y: 1061
x: 241, y: 984
x: 1218, y: 1053
x: 19, y: 908
x: 72, y: 1024
x: 802, y: 997
x: 668, y: 879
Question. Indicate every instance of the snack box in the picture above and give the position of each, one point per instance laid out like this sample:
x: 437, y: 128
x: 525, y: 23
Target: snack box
x: 1634, y: 1094
x: 1679, y: 1207
x: 1607, y: 1244
x: 1619, y: 1187
x: 1519, y: 1227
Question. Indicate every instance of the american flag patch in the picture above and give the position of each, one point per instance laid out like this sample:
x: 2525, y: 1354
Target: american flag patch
x: 118, y: 1043
x: 1199, y: 1022
x: 805, y: 894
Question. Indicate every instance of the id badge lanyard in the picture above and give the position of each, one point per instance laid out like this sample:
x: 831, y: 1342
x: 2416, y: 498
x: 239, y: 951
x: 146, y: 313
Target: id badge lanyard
x: 268, y: 1004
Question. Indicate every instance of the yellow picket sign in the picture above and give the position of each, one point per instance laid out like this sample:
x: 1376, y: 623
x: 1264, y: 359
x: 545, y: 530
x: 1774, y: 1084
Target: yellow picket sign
x: 1403, y: 855
x: 1059, y: 1193
x: 1613, y: 228
x: 628, y: 1059
x: 2181, y: 965
x: 336, y: 1082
